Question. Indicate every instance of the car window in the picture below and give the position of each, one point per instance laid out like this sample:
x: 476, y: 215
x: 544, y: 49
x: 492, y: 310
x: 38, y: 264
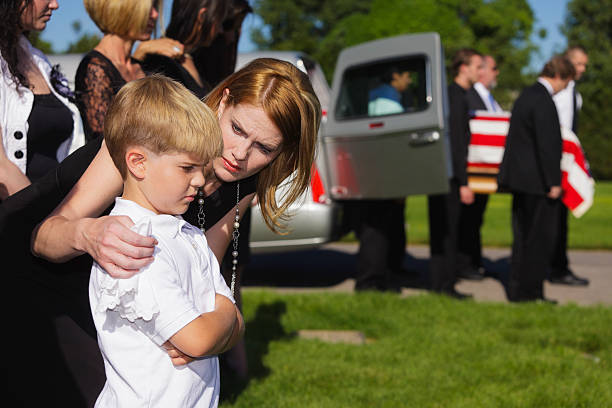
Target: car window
x: 390, y: 87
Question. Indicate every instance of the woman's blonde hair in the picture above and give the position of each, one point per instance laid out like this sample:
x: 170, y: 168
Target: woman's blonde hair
x: 287, y: 97
x: 121, y: 17
x: 163, y: 116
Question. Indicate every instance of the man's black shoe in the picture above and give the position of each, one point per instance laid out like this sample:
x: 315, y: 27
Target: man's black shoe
x: 569, y: 279
x: 470, y: 273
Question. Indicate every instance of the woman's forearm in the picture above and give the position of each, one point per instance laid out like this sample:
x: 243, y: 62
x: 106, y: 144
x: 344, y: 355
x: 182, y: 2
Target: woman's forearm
x: 70, y: 230
x: 59, y: 239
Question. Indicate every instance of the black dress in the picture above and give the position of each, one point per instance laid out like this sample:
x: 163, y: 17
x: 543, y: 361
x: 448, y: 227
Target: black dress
x: 49, y: 125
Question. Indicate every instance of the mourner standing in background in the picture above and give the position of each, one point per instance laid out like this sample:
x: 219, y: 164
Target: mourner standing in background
x: 531, y: 171
x: 569, y: 103
x: 444, y: 209
x: 479, y: 97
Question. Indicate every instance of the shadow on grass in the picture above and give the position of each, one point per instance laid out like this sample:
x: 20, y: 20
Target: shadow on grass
x: 498, y: 269
x: 317, y: 268
x: 308, y: 268
x: 322, y: 268
x: 262, y: 329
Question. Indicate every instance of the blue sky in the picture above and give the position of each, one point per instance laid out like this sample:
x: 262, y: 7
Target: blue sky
x: 549, y: 15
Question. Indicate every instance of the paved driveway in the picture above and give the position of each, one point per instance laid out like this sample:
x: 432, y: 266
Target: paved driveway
x: 332, y: 267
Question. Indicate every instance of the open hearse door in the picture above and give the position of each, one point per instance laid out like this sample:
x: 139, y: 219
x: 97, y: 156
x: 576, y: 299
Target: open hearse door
x: 385, y: 134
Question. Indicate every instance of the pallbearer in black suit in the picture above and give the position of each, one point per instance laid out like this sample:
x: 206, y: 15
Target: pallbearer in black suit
x: 568, y: 102
x: 531, y: 171
x: 479, y: 97
x: 444, y: 208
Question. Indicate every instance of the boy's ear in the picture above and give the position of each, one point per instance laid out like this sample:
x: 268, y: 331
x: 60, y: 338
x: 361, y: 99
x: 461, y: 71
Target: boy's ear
x: 135, y: 160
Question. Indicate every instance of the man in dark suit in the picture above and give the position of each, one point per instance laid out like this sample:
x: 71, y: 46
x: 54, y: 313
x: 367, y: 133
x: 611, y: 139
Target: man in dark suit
x: 479, y: 97
x: 443, y: 209
x: 568, y: 102
x: 379, y: 224
x: 531, y: 171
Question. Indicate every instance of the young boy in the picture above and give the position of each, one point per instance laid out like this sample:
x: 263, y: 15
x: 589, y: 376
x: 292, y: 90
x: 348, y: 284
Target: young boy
x: 161, y: 138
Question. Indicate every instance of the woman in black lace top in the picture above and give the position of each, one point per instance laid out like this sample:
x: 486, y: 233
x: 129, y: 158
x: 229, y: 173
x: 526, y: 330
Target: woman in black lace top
x: 109, y: 65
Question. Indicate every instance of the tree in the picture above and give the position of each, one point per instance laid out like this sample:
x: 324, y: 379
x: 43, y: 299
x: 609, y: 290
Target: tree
x: 84, y: 43
x: 589, y: 24
x: 302, y: 24
x: 322, y: 28
x: 45, y: 46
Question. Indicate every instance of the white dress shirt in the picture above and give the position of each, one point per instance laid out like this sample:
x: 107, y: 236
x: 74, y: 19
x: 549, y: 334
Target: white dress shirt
x: 547, y: 85
x: 487, y: 97
x: 135, y: 316
x: 564, y: 100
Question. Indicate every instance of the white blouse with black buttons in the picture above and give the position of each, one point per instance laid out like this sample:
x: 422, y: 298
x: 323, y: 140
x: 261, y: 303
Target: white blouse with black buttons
x: 16, y: 105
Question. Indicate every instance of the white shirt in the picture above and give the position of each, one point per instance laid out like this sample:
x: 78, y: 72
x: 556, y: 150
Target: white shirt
x: 135, y: 316
x: 15, y: 108
x: 564, y: 100
x: 547, y: 85
x: 487, y: 98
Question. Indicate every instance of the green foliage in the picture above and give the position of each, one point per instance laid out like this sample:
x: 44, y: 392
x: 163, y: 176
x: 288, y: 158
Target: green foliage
x: 45, y: 46
x: 422, y: 351
x: 301, y: 24
x: 323, y: 28
x: 83, y: 44
x: 589, y: 24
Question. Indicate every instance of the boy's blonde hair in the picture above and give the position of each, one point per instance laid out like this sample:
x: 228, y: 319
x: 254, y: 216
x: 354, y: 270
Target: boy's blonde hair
x: 163, y: 116
x: 121, y: 17
x: 285, y: 94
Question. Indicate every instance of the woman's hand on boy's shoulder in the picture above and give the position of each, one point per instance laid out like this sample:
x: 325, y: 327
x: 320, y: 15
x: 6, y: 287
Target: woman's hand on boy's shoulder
x: 116, y: 248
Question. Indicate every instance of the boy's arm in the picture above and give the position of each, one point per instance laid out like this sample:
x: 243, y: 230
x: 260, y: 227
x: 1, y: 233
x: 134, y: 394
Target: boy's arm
x: 211, y: 333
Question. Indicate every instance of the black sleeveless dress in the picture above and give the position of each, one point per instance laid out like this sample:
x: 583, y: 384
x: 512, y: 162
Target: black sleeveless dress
x: 49, y: 125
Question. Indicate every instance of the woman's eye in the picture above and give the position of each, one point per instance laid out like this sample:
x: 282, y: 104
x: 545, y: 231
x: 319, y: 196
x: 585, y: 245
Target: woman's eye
x: 264, y: 149
x: 236, y: 129
x: 187, y: 169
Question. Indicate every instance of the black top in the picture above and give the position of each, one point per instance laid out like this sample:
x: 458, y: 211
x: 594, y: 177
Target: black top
x: 532, y: 156
x: 50, y: 124
x: 159, y: 64
x: 97, y: 80
x: 459, y: 131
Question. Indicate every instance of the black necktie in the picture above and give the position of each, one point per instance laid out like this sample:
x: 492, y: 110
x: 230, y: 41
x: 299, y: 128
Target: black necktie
x: 575, y: 116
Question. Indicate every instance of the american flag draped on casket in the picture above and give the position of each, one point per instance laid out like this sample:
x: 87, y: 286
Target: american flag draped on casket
x: 486, y: 150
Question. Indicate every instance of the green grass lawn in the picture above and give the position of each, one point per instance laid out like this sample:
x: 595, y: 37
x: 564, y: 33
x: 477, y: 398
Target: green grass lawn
x: 423, y: 351
x: 592, y: 231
